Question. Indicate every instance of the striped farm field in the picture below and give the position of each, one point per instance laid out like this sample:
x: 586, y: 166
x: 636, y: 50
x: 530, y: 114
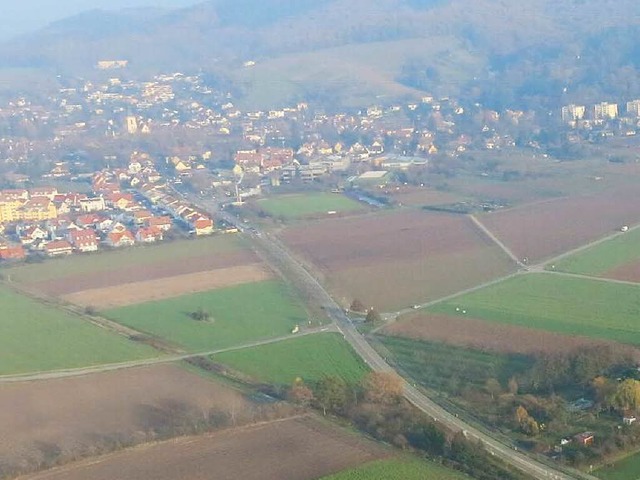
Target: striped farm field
x: 556, y: 303
x: 39, y: 337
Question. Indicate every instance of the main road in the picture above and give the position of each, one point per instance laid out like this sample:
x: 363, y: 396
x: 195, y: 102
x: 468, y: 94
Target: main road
x: 279, y: 257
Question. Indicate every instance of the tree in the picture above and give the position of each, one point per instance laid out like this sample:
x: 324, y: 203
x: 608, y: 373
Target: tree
x: 521, y: 414
x: 513, y: 386
x: 330, y: 394
x: 527, y: 423
x: 627, y: 395
x: 299, y: 393
x: 201, y: 315
x: 493, y: 387
x: 427, y: 437
x: 383, y: 387
x: 357, y: 306
x: 373, y: 316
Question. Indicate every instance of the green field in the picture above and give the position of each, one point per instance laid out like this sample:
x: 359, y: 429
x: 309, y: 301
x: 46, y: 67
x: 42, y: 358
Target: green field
x: 446, y: 367
x: 239, y: 314
x: 115, y: 259
x: 296, y: 206
x: 566, y: 305
x: 310, y: 358
x: 398, y: 468
x: 626, y: 469
x: 603, y: 257
x: 38, y: 337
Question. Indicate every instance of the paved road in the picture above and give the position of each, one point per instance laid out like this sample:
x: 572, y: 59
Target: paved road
x: 278, y: 255
x: 77, y: 372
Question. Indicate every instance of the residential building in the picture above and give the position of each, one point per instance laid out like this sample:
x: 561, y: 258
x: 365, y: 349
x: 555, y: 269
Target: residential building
x: 605, y: 111
x: 633, y: 108
x: 84, y: 240
x: 94, y: 204
x: 203, y: 226
x: 58, y: 248
x: 12, y: 252
x: 120, y: 239
x: 571, y: 113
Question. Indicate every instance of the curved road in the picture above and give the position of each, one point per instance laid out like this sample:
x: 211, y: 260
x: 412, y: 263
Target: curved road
x: 279, y: 256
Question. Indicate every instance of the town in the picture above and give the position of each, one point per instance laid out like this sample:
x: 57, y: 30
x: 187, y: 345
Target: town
x: 97, y: 164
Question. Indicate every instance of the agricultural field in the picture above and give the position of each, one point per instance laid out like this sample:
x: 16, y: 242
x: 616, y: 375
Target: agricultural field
x: 167, y: 287
x: 297, y: 206
x: 423, y: 255
x: 542, y: 230
x: 64, y: 276
x: 238, y: 314
x: 618, y: 258
x: 310, y: 357
x: 39, y: 337
x: 469, y: 332
x: 412, y: 196
x: 555, y: 303
x: 626, y: 469
x: 400, y: 469
x: 445, y: 367
x: 94, y: 413
x: 302, y: 448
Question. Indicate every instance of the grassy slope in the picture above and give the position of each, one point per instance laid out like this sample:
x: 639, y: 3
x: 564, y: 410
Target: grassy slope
x: 240, y: 314
x: 559, y: 304
x: 438, y: 365
x: 398, y: 468
x: 38, y: 337
x: 309, y: 357
x: 603, y: 257
x: 297, y: 206
x: 358, y: 74
x: 114, y: 259
x: 626, y: 469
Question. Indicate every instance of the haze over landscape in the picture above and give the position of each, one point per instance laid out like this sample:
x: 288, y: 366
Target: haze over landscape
x: 320, y: 239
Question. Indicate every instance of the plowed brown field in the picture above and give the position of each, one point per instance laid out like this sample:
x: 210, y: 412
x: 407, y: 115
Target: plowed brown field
x: 293, y: 449
x: 168, y: 287
x: 390, y: 261
x: 136, y: 273
x: 478, y: 334
x: 64, y: 417
x: 629, y: 272
x: 543, y: 230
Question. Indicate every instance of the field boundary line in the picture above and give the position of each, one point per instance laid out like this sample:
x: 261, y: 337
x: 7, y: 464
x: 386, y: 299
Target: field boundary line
x: 496, y: 240
x: 589, y: 277
x: 587, y: 246
x: 77, y: 372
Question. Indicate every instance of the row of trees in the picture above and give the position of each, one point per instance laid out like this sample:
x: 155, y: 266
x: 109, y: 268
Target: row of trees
x: 377, y: 406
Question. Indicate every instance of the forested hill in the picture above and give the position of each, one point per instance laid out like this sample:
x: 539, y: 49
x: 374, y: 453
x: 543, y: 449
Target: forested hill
x: 536, y: 47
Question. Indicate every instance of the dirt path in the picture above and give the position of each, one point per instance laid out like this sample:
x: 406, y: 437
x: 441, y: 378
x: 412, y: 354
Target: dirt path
x: 29, y: 377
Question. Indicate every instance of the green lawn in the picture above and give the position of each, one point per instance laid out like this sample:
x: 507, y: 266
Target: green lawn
x: 626, y: 469
x: 571, y: 306
x: 310, y: 358
x: 38, y: 337
x: 603, y: 257
x: 447, y: 367
x: 398, y: 468
x: 115, y: 259
x: 297, y: 206
x: 239, y: 314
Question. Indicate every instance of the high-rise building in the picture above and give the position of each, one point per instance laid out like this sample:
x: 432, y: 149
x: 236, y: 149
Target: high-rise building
x: 573, y: 112
x: 633, y: 108
x: 131, y: 124
x: 605, y: 111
